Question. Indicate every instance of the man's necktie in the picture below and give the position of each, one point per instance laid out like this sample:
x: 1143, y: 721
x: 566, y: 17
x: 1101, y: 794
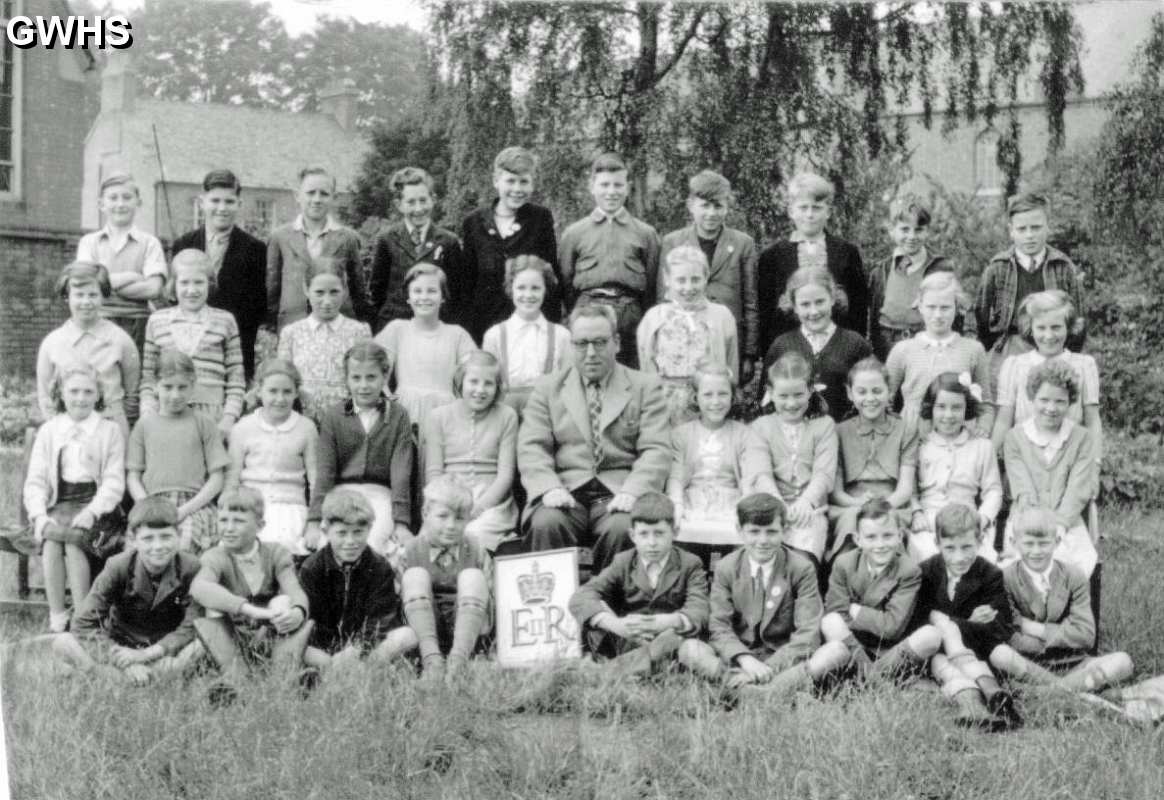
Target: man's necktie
x: 594, y: 401
x: 417, y: 239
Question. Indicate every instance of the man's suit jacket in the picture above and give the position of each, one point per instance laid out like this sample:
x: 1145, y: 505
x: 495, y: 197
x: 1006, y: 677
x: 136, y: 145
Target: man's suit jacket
x: 730, y: 282
x: 788, y: 623
x: 888, y: 600
x: 623, y: 588
x: 241, y: 284
x: 553, y: 447
x: 776, y: 265
x: 395, y: 254
x: 982, y: 585
x: 287, y: 260
x: 1066, y: 611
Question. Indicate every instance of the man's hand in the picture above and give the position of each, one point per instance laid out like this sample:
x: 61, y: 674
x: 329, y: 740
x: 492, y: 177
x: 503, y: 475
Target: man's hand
x: 983, y: 615
x: 287, y: 621
x: 558, y: 498
x: 621, y: 502
x: 755, y: 669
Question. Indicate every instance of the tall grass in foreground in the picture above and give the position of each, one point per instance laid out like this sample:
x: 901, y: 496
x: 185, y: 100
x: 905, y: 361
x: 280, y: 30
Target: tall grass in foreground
x: 376, y: 733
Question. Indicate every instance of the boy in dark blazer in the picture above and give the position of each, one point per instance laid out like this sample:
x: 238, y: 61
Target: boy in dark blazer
x: 351, y: 590
x: 137, y: 622
x: 648, y: 599
x: 1051, y: 602
x: 810, y: 200
x: 413, y: 239
x: 963, y: 596
x: 871, y: 599
x: 765, y: 612
x: 239, y: 259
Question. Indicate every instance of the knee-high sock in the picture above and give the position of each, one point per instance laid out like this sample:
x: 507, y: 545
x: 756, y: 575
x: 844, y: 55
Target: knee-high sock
x: 416, y: 593
x: 1014, y: 663
x: 1097, y: 673
x: 472, y: 606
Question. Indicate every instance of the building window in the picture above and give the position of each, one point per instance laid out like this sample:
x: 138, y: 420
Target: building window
x: 263, y: 216
x: 196, y: 218
x: 988, y: 178
x: 10, y: 96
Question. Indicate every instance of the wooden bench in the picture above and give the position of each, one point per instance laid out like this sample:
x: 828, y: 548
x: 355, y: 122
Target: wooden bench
x: 24, y: 592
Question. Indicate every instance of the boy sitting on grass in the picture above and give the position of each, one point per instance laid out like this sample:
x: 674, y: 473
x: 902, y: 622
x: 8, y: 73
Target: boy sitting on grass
x: 351, y: 589
x: 446, y: 582
x: 256, y: 609
x: 137, y: 622
x: 765, y: 612
x: 873, y: 591
x: 1052, y: 606
x: 639, y: 609
x: 963, y: 596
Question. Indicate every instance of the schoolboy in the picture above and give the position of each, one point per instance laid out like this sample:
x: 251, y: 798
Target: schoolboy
x: 894, y: 283
x: 963, y: 596
x: 509, y: 226
x: 137, y: 622
x: 412, y: 239
x: 765, y: 612
x: 1051, y: 601
x: 256, y: 609
x: 810, y: 202
x: 609, y: 257
x: 134, y: 259
x: 1029, y: 265
x: 731, y: 253
x: 871, y: 599
x: 446, y: 582
x: 351, y: 589
x: 239, y: 259
x: 313, y: 235
x: 639, y: 609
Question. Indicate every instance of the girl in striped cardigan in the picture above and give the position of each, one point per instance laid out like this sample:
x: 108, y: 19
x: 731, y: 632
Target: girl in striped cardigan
x: 208, y: 335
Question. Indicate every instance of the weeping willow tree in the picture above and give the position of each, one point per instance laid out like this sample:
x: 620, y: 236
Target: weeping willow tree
x: 749, y: 88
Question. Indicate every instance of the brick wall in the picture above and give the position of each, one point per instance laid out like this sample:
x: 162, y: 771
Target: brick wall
x: 30, y: 263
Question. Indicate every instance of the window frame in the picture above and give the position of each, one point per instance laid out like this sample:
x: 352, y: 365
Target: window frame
x: 14, y: 192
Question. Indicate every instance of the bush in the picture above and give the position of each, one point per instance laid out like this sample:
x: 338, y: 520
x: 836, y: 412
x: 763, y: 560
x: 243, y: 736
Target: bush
x: 1131, y: 472
x: 18, y: 409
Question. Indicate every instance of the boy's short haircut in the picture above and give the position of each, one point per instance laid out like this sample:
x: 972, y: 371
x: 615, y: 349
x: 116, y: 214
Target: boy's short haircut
x: 242, y: 498
x: 409, y: 176
x: 653, y: 507
x: 520, y: 263
x: 155, y: 511
x: 876, y: 510
x: 83, y: 272
x: 956, y: 519
x: 607, y: 162
x: 812, y: 186
x: 368, y: 352
x: 1024, y: 202
x: 910, y: 210
x: 449, y: 492
x: 1036, y: 521
x: 1045, y: 302
x: 221, y: 179
x: 517, y: 160
x: 1055, y: 373
x: 761, y: 508
x: 710, y: 186
x: 119, y: 179
x: 347, y: 506
x: 316, y: 170
x: 686, y: 254
x: 190, y: 257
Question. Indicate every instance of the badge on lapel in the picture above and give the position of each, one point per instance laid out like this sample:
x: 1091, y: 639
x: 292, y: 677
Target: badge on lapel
x: 773, y: 598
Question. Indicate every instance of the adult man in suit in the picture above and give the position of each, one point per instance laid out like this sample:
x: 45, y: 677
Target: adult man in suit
x: 593, y: 438
x: 239, y: 259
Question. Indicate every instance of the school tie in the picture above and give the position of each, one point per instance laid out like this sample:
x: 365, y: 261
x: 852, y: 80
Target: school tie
x: 594, y: 401
x: 444, y: 559
x: 758, y: 591
x: 417, y: 236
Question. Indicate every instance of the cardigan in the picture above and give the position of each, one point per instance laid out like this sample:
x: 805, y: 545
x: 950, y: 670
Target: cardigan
x: 750, y: 459
x: 485, y: 253
x: 1065, y: 486
x: 887, y: 600
x: 351, y: 604
x: 830, y: 366
x: 388, y: 455
x: 811, y: 469
x: 278, y: 460
x: 394, y: 254
x: 124, y: 604
x: 623, y: 588
x: 240, y: 286
x: 218, y: 361
x: 776, y: 265
x: 103, y: 455
x: 997, y: 307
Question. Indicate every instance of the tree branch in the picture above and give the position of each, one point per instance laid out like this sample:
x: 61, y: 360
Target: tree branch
x: 681, y: 46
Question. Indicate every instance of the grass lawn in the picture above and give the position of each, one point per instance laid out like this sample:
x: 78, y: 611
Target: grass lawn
x: 376, y: 733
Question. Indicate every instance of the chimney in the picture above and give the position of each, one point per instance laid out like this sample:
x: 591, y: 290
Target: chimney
x: 339, y: 100
x: 118, y: 82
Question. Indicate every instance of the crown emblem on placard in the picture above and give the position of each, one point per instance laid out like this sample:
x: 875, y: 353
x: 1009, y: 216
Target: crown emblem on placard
x: 535, y: 587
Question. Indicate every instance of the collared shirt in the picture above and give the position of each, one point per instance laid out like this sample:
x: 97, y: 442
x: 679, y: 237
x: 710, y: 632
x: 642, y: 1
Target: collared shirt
x: 952, y: 584
x: 528, y: 340
x: 818, y: 341
x: 1046, y: 444
x: 412, y: 232
x: 216, y: 244
x: 912, y: 263
x: 622, y: 216
x: 1030, y: 263
x: 250, y: 564
x: 764, y: 570
x: 368, y: 417
x: 1040, y: 580
x: 653, y: 570
x: 810, y: 252
x: 104, y: 346
x: 609, y: 251
x: 73, y: 467
x: 451, y: 554
x: 130, y: 250
x: 315, y: 240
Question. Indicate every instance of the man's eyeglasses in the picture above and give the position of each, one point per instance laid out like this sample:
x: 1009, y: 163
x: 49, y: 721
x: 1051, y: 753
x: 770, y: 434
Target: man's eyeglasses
x: 582, y: 345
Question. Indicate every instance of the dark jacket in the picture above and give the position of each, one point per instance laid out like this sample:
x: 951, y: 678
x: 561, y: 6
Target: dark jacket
x: 241, y: 286
x: 776, y: 265
x: 622, y: 588
x: 485, y: 253
x: 350, y: 603
x: 123, y: 605
x: 982, y: 585
x: 394, y: 254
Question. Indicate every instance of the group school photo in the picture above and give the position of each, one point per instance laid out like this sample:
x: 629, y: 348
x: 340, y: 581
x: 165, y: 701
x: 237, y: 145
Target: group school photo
x: 391, y: 424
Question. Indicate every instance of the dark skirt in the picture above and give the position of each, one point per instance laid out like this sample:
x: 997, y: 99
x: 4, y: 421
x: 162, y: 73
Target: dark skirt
x: 105, y: 538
